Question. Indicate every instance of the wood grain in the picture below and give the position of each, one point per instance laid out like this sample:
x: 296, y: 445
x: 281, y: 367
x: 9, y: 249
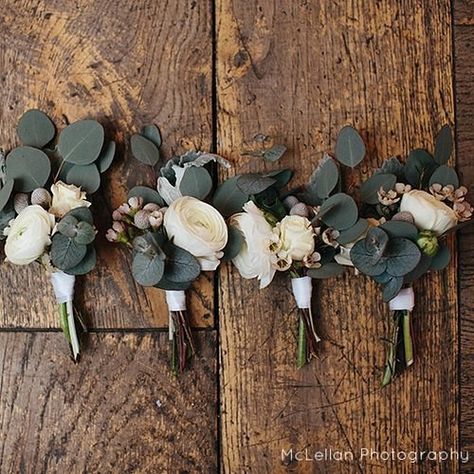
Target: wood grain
x: 463, y: 12
x: 119, y: 410
x: 464, y: 61
x: 299, y: 71
x: 125, y: 64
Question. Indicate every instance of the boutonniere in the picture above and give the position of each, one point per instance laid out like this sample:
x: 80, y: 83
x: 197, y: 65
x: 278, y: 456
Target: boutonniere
x: 298, y: 232
x: 411, y: 207
x: 45, y: 215
x: 172, y: 230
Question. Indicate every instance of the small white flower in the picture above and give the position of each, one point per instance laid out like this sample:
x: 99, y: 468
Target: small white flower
x: 66, y: 197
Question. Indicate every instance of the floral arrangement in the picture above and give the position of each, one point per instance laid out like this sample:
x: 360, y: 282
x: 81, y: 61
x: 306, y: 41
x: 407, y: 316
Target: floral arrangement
x: 44, y: 211
x: 172, y: 231
x: 297, y: 232
x: 411, y: 207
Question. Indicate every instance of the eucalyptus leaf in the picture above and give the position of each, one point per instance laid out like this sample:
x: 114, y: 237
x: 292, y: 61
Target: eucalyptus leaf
x: 85, y: 233
x: 147, y: 269
x: 228, y: 198
x: 6, y: 192
x: 376, y: 242
x: 382, y: 278
x: 363, y: 260
x: 196, y: 182
x: 324, y: 178
x: 29, y: 167
x: 281, y: 177
x: 180, y: 266
x: 400, y: 229
x: 81, y: 142
x: 392, y: 288
x: 65, y: 253
x: 148, y: 195
x: 254, y: 183
x: 86, y: 177
x: 35, y: 128
x: 445, y: 175
x: 441, y: 260
x: 64, y: 168
x: 67, y: 226
x: 419, y: 167
x: 106, y: 157
x: 342, y: 211
x: 144, y: 150
x: 443, y: 145
x: 153, y: 134
x: 6, y: 215
x: 82, y: 214
x: 350, y: 148
x: 370, y: 188
x: 87, y: 264
x: 402, y: 256
x: 274, y: 153
x: 353, y: 233
x: 169, y: 285
x: 234, y: 244
x: 423, y: 266
x: 392, y: 166
x: 328, y: 270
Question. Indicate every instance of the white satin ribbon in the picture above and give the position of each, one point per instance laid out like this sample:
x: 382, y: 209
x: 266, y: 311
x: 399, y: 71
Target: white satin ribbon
x: 176, y: 301
x: 405, y: 300
x: 63, y: 286
x: 302, y: 290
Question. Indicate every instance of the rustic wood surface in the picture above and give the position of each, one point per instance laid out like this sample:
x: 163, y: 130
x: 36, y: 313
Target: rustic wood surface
x: 119, y: 410
x: 125, y: 64
x: 464, y: 72
x: 299, y: 71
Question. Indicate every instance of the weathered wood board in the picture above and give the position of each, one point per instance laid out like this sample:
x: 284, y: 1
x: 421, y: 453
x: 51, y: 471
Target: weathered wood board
x: 299, y: 71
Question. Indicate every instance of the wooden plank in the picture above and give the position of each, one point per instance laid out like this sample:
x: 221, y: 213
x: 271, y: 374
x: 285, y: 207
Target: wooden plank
x: 464, y: 62
x: 119, y: 410
x: 299, y: 71
x: 126, y: 64
x: 463, y: 12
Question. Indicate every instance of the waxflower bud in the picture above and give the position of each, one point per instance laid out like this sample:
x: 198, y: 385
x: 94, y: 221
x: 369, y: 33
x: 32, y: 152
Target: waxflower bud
x: 41, y: 197
x: 151, y: 207
x: 135, y: 202
x: 290, y: 201
x: 20, y: 201
x: 428, y: 242
x: 141, y: 219
x: 299, y: 209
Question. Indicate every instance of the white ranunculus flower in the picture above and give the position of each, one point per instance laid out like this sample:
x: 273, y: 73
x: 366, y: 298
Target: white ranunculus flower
x: 296, y: 237
x: 257, y: 257
x: 428, y: 212
x: 198, y: 228
x: 28, y: 235
x: 66, y: 197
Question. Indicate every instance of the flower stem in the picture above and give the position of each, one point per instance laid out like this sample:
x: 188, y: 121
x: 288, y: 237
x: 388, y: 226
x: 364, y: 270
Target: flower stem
x: 407, y: 338
x: 301, y: 359
x: 182, y: 345
x: 66, y: 321
x: 391, y: 359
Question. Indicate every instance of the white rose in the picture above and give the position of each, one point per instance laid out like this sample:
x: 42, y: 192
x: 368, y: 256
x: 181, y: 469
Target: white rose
x: 198, y: 228
x: 257, y: 257
x: 28, y: 235
x: 66, y: 197
x: 428, y: 212
x: 296, y: 237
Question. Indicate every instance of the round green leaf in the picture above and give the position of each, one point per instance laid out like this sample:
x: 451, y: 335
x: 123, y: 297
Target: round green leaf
x: 196, y: 182
x: 400, y: 229
x: 6, y: 215
x: 324, y: 178
x: 339, y: 211
x: 228, y: 198
x: 402, y: 256
x: 423, y: 266
x: 392, y: 288
x: 274, y: 153
x: 81, y: 142
x: 353, y: 233
x: 87, y: 177
x: 6, y: 192
x: 87, y: 264
x: 328, y: 270
x: 281, y: 177
x: 85, y: 233
x: 254, y: 183
x: 65, y: 253
x: 82, y: 214
x: 106, y: 157
x: 363, y: 260
x: 29, y: 167
x: 419, y: 167
x: 35, y: 128
x: 152, y: 132
x: 180, y: 265
x: 443, y: 145
x: 166, y: 284
x: 68, y: 226
x: 148, y: 269
x: 148, y: 195
x: 370, y: 188
x: 144, y: 150
x: 441, y: 260
x: 235, y: 242
x: 350, y: 148
x: 376, y: 242
x: 445, y: 175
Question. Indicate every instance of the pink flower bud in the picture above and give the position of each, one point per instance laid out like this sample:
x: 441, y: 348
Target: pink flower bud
x: 111, y: 235
x: 118, y: 226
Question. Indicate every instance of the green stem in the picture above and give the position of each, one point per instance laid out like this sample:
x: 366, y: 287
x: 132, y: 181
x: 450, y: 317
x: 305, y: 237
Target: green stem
x: 407, y: 338
x: 391, y: 361
x: 63, y: 321
x: 301, y: 360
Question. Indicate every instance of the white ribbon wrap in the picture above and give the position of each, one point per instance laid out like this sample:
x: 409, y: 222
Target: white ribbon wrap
x: 176, y: 301
x: 405, y: 300
x: 302, y: 290
x: 63, y: 286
